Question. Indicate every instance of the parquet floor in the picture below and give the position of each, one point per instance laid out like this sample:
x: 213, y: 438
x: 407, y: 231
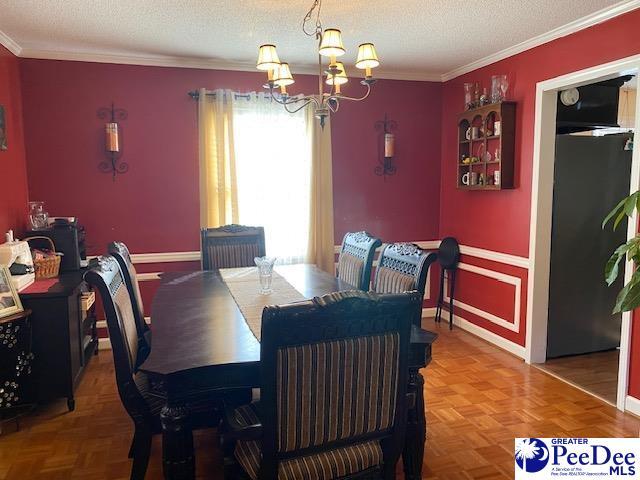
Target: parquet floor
x: 596, y: 372
x: 478, y: 399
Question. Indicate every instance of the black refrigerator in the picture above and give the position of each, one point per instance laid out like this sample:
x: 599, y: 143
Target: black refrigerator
x: 592, y: 175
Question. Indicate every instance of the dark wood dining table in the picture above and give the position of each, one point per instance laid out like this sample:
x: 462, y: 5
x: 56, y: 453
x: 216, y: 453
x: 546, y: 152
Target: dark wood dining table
x: 202, y: 343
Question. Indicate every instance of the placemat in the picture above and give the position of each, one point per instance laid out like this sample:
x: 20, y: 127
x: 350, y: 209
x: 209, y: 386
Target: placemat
x: 244, y: 285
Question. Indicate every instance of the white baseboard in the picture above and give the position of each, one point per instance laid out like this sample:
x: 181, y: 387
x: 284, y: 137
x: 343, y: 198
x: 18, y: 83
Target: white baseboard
x: 429, y: 312
x: 497, y: 340
x: 632, y: 405
x: 104, y: 343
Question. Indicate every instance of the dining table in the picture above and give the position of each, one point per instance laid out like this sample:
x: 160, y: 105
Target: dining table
x: 201, y: 342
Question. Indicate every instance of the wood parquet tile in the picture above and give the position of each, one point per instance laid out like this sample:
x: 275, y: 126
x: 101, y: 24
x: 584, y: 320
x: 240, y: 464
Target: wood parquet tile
x: 478, y: 399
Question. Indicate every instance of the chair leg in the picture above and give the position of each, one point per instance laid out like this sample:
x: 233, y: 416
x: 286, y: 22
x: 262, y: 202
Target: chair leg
x: 453, y: 285
x: 388, y: 472
x: 440, y: 297
x: 141, y: 452
x: 133, y: 445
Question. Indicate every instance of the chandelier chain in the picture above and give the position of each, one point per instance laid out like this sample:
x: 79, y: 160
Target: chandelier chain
x: 317, y: 32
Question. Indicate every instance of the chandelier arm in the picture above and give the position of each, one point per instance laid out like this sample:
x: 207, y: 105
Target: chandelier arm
x: 310, y: 100
x: 290, y: 100
x: 294, y: 100
x: 355, y: 99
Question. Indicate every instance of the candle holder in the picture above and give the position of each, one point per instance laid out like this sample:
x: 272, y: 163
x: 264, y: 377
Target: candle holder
x: 113, y: 140
x: 386, y: 147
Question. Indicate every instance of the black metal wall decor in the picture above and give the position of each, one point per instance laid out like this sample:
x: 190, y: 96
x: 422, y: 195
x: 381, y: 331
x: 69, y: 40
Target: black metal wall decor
x: 113, y: 140
x: 386, y: 147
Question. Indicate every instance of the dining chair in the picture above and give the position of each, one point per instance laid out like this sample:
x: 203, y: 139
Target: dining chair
x: 121, y: 253
x: 356, y: 259
x: 231, y: 246
x: 402, y: 267
x: 142, y: 405
x: 333, y: 398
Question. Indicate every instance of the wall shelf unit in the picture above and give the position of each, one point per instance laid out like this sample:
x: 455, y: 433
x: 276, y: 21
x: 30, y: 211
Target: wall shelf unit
x: 486, y: 157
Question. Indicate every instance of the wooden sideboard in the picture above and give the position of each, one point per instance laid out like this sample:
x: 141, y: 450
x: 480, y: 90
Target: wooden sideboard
x: 64, y: 334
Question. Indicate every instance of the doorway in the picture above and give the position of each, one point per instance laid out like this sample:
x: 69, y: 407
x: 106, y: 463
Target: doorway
x: 540, y: 299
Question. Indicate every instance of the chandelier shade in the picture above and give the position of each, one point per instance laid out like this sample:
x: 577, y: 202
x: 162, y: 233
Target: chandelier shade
x: 339, y: 78
x: 282, y: 75
x: 331, y: 44
x: 367, y: 56
x: 268, y: 58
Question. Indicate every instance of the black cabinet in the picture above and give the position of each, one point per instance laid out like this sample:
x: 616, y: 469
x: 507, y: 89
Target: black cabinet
x: 63, y: 334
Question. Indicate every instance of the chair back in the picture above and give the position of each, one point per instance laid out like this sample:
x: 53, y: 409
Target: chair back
x: 334, y: 374
x: 402, y: 267
x: 105, y: 275
x: 356, y: 259
x: 121, y: 253
x: 231, y: 246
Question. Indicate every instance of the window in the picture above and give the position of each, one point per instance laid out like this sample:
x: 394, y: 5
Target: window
x: 273, y: 168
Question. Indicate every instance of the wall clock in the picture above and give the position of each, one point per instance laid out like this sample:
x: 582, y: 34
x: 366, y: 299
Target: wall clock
x: 569, y: 97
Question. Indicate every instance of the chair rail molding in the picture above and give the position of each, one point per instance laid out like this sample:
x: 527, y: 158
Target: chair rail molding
x: 502, y: 277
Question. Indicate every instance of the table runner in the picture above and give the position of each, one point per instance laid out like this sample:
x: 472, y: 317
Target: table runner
x: 244, y: 285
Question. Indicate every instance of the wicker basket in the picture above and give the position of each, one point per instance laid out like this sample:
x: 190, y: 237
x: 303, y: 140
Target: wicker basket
x: 47, y: 267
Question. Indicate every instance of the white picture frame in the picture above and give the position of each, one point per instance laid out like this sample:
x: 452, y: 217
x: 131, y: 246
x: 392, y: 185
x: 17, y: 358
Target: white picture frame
x: 10, y: 303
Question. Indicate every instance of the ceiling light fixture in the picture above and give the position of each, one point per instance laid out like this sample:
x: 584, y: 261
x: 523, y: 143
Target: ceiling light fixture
x: 329, y: 45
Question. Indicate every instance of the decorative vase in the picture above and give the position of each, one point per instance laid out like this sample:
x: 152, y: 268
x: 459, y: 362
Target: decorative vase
x: 265, y: 272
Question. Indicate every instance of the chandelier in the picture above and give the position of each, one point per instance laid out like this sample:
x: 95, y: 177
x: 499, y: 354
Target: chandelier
x: 334, y: 75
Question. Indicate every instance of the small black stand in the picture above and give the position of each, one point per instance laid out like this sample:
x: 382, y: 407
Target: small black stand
x: 448, y: 258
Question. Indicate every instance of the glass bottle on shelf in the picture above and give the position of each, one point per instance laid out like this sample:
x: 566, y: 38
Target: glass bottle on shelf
x: 468, y: 96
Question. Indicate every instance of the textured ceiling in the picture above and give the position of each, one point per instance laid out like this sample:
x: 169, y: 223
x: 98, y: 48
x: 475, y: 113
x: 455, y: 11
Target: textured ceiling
x: 413, y: 37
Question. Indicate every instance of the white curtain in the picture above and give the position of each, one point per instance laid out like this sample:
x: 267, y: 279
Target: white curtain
x: 273, y: 162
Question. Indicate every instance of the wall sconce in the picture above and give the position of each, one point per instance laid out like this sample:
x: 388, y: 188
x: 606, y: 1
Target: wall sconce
x: 386, y: 147
x: 113, y: 140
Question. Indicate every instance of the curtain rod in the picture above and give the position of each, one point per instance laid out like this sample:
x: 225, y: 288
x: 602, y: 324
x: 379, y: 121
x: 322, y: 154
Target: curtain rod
x: 195, y: 94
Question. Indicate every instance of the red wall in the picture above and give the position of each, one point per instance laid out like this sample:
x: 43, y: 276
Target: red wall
x: 13, y: 170
x: 154, y: 207
x: 499, y: 221
x: 402, y: 207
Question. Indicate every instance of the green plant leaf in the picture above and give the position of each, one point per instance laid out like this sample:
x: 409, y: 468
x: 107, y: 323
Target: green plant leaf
x: 632, y: 298
x: 629, y: 296
x: 613, y: 212
x: 630, y: 204
x: 619, y: 218
x: 612, y: 267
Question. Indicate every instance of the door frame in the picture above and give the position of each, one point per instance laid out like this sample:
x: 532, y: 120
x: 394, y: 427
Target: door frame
x: 542, y: 210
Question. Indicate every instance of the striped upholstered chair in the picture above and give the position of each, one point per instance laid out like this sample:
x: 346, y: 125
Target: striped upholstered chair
x: 142, y: 405
x: 231, y: 246
x: 402, y: 267
x: 120, y: 252
x: 356, y: 259
x: 333, y: 393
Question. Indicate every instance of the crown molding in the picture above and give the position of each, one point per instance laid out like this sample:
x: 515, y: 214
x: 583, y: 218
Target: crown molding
x: 201, y: 63
x: 10, y: 44
x: 572, y: 27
